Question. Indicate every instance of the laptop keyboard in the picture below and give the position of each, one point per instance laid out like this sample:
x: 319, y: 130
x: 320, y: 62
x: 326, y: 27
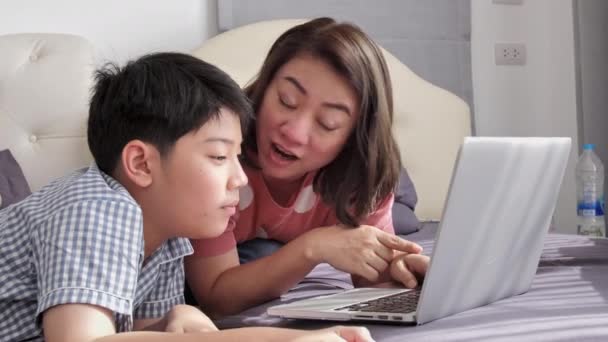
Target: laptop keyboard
x: 397, y: 303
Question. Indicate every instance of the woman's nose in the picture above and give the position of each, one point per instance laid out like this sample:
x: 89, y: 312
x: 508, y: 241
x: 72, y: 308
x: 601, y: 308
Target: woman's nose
x: 296, y: 130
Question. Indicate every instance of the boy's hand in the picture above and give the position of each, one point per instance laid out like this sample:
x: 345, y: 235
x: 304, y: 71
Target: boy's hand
x: 337, y: 334
x: 365, y: 251
x: 188, y: 319
x: 407, y: 269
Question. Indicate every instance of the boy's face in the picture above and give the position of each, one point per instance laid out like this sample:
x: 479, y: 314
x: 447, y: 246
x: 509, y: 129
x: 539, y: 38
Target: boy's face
x: 200, y: 180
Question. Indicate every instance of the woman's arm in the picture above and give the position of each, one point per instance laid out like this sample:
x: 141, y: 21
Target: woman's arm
x: 399, y: 270
x: 222, y: 286
x: 405, y: 270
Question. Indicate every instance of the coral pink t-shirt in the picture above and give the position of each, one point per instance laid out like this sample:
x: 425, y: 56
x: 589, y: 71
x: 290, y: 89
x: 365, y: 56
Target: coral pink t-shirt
x: 259, y: 216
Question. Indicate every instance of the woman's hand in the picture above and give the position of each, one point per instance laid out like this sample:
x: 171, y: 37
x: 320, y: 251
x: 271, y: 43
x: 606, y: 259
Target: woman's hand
x: 188, y: 319
x: 365, y: 251
x: 337, y: 334
x: 408, y: 269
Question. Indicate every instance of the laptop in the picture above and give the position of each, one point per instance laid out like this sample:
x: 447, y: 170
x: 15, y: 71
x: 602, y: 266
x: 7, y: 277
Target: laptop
x: 488, y: 244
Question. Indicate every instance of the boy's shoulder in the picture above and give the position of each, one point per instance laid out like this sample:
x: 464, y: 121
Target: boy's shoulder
x: 62, y: 244
x: 84, y: 192
x: 85, y: 185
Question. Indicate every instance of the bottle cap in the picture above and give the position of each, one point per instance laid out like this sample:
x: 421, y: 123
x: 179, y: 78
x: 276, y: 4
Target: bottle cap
x: 588, y: 147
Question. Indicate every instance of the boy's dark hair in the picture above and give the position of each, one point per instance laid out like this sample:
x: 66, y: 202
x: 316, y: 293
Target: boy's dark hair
x: 157, y: 98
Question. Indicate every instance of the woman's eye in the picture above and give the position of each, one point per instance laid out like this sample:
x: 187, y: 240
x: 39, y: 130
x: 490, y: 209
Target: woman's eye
x: 327, y: 127
x: 219, y: 158
x: 286, y: 104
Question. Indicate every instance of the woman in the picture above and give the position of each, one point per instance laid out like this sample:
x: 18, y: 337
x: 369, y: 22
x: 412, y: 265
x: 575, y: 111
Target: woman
x: 321, y: 160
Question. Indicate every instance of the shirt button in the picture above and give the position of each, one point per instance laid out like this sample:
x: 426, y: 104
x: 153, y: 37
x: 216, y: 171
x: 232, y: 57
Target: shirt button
x: 33, y: 139
x: 33, y: 57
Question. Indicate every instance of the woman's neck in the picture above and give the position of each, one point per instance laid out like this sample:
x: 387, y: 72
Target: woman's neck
x: 283, y: 191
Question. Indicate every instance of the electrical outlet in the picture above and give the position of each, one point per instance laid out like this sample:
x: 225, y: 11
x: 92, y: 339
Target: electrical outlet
x: 510, y: 53
x: 508, y: 2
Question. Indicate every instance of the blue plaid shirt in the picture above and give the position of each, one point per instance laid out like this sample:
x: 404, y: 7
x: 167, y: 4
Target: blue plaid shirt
x: 80, y: 240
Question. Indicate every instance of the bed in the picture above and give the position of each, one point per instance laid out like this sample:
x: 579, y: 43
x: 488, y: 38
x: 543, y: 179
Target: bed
x: 568, y: 300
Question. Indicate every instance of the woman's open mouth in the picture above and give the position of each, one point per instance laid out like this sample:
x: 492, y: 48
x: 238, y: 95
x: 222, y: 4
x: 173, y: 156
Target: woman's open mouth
x: 283, y: 153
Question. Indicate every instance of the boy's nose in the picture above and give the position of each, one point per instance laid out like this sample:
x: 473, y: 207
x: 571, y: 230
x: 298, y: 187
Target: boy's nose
x: 238, y: 178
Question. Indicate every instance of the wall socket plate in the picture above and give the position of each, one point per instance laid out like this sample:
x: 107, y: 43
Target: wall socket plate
x: 510, y: 53
x: 508, y: 2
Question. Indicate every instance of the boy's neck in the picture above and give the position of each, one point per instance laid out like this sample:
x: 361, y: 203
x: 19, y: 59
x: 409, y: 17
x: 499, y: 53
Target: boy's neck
x: 153, y: 234
x: 152, y: 241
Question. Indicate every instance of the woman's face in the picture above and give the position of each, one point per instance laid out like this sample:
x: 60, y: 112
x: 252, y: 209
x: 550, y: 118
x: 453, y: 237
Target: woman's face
x: 306, y: 116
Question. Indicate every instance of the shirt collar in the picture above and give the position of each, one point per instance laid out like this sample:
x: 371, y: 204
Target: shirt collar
x: 112, y: 182
x: 170, y: 250
x: 176, y: 248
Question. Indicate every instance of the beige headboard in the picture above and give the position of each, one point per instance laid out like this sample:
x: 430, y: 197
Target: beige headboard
x: 45, y: 80
x: 430, y: 122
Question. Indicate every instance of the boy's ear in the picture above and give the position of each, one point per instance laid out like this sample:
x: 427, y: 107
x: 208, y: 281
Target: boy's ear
x: 137, y: 162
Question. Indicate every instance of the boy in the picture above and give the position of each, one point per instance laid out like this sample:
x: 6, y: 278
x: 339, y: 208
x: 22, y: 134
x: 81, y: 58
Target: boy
x: 101, y: 250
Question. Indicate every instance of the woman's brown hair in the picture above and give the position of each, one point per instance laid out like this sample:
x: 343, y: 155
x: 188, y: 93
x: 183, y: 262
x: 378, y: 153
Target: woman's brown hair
x: 366, y: 171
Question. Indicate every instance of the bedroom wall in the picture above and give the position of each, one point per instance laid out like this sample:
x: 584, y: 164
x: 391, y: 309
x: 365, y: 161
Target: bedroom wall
x: 591, y: 32
x: 120, y: 30
x: 432, y: 37
x: 538, y: 98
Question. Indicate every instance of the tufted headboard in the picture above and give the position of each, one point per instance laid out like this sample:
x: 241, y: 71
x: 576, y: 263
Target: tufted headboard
x: 45, y: 81
x: 430, y: 122
x: 44, y: 92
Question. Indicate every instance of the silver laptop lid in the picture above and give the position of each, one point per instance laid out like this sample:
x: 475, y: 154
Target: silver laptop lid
x: 497, y: 213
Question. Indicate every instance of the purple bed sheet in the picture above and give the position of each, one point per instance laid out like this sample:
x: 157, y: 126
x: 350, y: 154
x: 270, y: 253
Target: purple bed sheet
x: 568, y: 300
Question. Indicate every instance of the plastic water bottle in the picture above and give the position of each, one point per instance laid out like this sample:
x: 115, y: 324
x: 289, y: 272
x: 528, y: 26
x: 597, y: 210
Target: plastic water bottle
x: 590, y: 193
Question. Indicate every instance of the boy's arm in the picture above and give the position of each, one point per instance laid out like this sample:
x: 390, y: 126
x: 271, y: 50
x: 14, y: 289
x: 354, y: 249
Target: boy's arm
x: 77, y: 322
x: 152, y: 324
x: 87, y: 323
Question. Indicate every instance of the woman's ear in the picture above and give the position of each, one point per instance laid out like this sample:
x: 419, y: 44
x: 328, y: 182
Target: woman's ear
x: 137, y: 161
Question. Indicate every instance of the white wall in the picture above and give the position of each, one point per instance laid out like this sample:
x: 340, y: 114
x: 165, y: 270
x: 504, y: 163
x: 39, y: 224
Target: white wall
x: 119, y: 29
x: 537, y: 99
x: 592, y: 52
